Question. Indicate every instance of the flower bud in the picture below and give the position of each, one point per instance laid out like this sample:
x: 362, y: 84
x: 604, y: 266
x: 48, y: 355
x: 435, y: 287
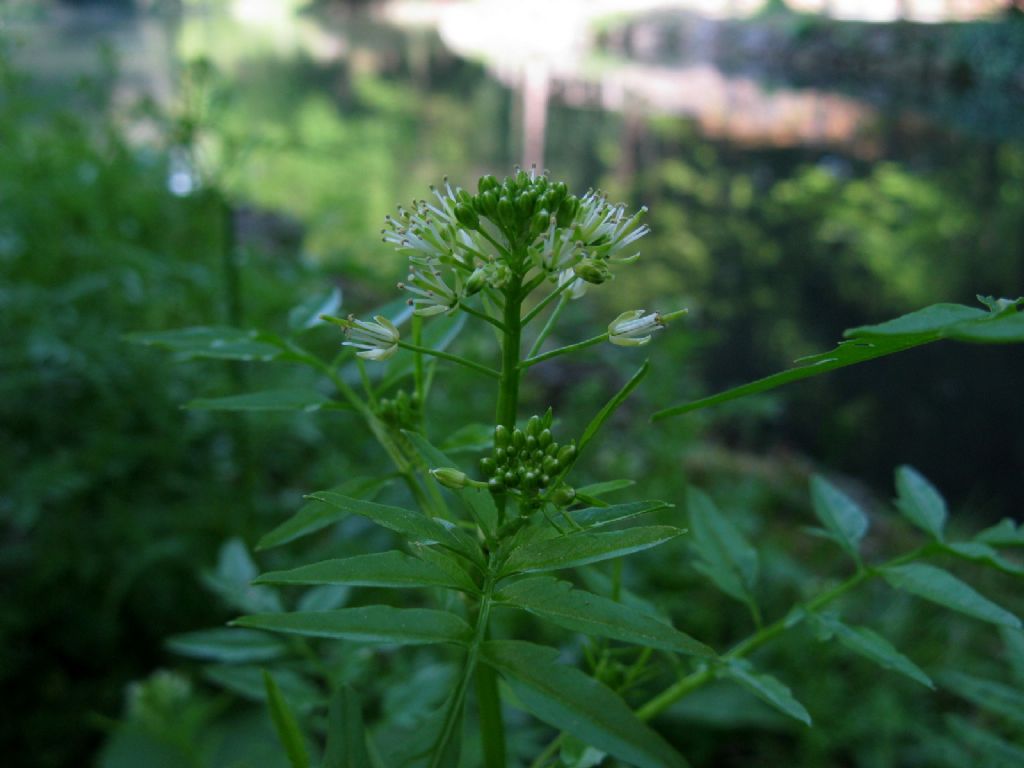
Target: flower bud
x: 593, y: 271
x: 487, y: 466
x: 486, y: 184
x: 565, y: 455
x: 467, y: 216
x: 476, y: 281
x: 533, y: 426
x: 449, y: 477
x: 564, y: 496
x: 501, y: 436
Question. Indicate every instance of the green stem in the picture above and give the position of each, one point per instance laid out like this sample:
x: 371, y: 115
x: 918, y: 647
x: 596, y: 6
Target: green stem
x: 482, y: 315
x: 451, y: 358
x: 508, y: 388
x: 491, y: 726
x: 548, y: 326
x: 564, y: 350
x: 545, y: 301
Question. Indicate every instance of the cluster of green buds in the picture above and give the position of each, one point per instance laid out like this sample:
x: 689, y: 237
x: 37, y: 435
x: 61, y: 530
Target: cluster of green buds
x: 402, y: 411
x: 528, y: 460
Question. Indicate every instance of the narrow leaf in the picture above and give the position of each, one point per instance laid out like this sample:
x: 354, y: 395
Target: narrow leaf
x: 386, y: 569
x: 307, y: 400
x: 942, y: 587
x: 582, y: 548
x: 595, y: 517
x: 285, y: 724
x: 581, y: 611
x: 573, y: 702
x: 874, y: 647
x: 1006, y: 533
x: 1013, y: 639
x: 998, y: 698
x: 346, y: 736
x: 368, y: 624
x: 323, y: 598
x: 990, y: 750
x: 919, y: 502
x: 232, y: 646
x: 603, y: 489
x: 611, y: 406
x: 767, y: 688
x: 727, y: 558
x: 984, y: 554
x: 213, y: 342
x: 844, y: 520
x: 317, y: 515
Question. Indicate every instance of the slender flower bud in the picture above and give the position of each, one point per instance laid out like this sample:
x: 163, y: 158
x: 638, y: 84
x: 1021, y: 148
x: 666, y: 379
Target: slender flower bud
x: 376, y: 340
x: 450, y: 477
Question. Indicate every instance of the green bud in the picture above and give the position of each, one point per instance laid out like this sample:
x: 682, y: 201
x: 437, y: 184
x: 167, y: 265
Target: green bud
x: 487, y: 466
x: 566, y: 211
x: 486, y: 183
x: 467, y: 216
x: 593, y: 271
x: 449, y: 477
x: 518, y: 439
x: 531, y: 442
x: 566, y: 454
x: 501, y: 435
x: 564, y: 496
x: 544, y: 438
x: 545, y: 479
x: 538, y: 455
x: 552, y: 450
x: 500, y: 454
x: 488, y: 203
x: 495, y: 484
x: 550, y: 465
x: 506, y: 212
x: 477, y: 280
x: 533, y: 425
x: 510, y: 478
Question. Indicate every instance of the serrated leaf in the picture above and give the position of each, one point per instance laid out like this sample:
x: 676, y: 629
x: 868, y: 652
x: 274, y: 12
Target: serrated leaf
x: 368, y: 624
x: 573, y: 702
x: 990, y: 695
x: 346, y: 735
x: 306, y: 400
x: 873, y: 341
x: 611, y: 406
x: 872, y: 646
x: 767, y: 688
x: 316, y: 515
x: 285, y: 724
x: 583, y: 548
x: 727, y: 558
x: 307, y: 314
x: 920, y: 502
x: 943, y: 588
x: 595, y: 517
x: 384, y: 569
x: 414, y: 526
x: 581, y: 611
x: 978, y: 552
x: 213, y: 342
x: 1006, y: 533
x: 844, y: 520
x: 231, y: 646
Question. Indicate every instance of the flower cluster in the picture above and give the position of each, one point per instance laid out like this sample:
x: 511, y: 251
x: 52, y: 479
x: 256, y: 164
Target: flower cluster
x: 527, y: 460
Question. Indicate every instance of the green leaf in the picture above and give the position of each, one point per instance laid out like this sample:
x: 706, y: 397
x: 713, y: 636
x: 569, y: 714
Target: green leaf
x: 232, y: 581
x: 603, y: 489
x: 767, y: 688
x: 873, y: 341
x: 386, y: 569
x: 323, y: 598
x: 983, y: 553
x: 1013, y: 639
x: 468, y: 439
x: 726, y: 557
x: 939, y: 586
x: 213, y: 342
x: 307, y: 314
x: 844, y: 520
x: 919, y: 502
x: 285, y: 724
x: 307, y: 400
x: 990, y: 750
x: 317, y: 515
x: 346, y: 736
x: 580, y: 611
x: 611, y: 406
x: 872, y: 646
x: 237, y: 646
x: 414, y: 526
x: 998, y: 698
x: 368, y: 624
x: 1006, y: 533
x: 582, y: 548
x: 247, y: 681
x: 595, y: 517
x: 573, y: 702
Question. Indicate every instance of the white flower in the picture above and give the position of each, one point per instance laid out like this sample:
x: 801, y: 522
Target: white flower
x: 578, y: 287
x: 431, y: 294
x: 634, y: 328
x: 605, y: 229
x: 376, y: 340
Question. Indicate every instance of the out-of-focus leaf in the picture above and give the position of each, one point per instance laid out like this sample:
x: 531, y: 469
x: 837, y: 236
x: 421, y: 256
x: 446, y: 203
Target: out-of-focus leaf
x: 988, y: 749
x: 232, y: 581
x: 346, y: 736
x: 316, y: 515
x: 920, y: 502
x: 844, y: 520
x: 384, y: 569
x: 323, y: 598
x: 468, y: 439
x: 214, y: 342
x: 939, y: 321
x: 983, y: 553
x: 767, y: 688
x: 942, y: 587
x: 583, y: 548
x: 227, y: 645
x: 306, y: 400
x: 247, y: 682
x: 1006, y: 533
x: 998, y: 698
x: 573, y: 702
x: 580, y: 611
x: 307, y: 314
x: 1013, y: 639
x: 368, y: 624
x: 726, y: 557
x: 286, y: 725
x: 871, y: 645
